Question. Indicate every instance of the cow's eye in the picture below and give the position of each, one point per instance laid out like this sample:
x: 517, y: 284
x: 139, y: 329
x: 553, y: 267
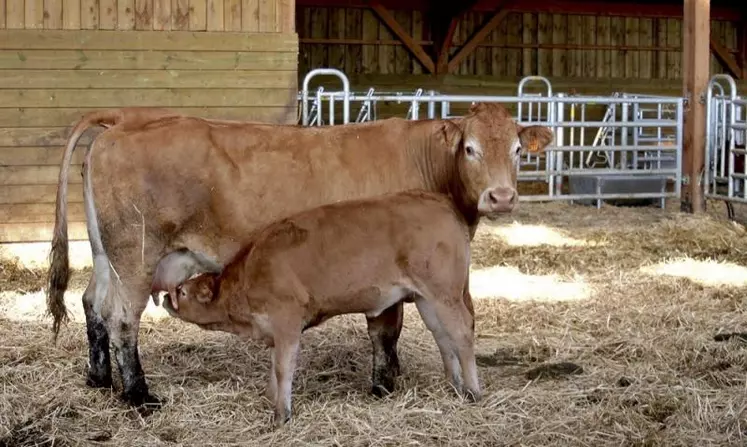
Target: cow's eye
x: 469, y: 150
x: 518, y: 150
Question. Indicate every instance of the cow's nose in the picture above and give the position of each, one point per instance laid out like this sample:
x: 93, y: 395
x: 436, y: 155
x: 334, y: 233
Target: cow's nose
x: 499, y: 197
x: 502, y: 199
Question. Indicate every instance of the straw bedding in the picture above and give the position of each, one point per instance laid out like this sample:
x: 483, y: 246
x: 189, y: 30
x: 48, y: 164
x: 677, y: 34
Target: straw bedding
x: 594, y: 327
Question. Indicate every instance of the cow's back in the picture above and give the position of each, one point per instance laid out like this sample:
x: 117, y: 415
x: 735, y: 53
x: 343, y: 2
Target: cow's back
x: 208, y: 185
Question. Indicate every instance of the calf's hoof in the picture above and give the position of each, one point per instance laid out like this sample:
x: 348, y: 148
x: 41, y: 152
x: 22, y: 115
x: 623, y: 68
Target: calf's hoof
x: 471, y: 396
x: 281, y: 418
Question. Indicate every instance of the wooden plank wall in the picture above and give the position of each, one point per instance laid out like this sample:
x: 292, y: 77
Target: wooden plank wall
x: 552, y: 45
x: 236, y: 59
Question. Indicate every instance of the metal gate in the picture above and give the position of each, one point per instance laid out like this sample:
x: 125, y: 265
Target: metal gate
x: 724, y: 173
x: 623, y: 146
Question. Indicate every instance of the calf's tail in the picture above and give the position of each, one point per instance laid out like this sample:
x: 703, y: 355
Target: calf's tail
x: 59, y: 269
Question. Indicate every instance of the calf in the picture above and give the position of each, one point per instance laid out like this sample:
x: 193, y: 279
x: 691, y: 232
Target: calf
x: 357, y: 256
x: 176, y: 267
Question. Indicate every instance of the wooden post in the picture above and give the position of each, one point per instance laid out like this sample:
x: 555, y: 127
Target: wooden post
x: 696, y: 33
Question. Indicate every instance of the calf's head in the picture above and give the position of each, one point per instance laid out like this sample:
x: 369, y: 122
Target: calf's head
x: 195, y: 301
x: 488, y: 145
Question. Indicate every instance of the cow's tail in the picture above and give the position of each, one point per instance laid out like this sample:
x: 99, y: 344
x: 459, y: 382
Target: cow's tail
x: 59, y: 268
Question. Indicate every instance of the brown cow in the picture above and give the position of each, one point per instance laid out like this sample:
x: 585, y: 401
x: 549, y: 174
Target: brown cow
x: 355, y: 256
x: 161, y: 181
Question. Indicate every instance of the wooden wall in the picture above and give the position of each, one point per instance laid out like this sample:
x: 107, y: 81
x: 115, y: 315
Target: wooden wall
x: 60, y: 59
x: 552, y: 45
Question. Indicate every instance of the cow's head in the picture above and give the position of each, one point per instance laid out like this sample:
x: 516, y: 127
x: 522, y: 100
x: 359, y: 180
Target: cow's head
x: 196, y: 301
x: 488, y: 145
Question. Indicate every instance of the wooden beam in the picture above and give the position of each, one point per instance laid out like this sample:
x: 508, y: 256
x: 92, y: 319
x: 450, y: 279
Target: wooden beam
x: 725, y: 58
x: 742, y: 45
x: 479, y: 36
x: 576, y: 7
x: 442, y: 64
x: 696, y: 32
x: 400, y: 32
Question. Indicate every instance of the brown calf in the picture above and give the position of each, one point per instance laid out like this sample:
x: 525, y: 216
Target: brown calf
x: 358, y: 256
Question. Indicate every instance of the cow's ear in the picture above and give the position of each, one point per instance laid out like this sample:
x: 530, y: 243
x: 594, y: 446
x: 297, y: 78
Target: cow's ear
x: 452, y: 132
x: 534, y: 138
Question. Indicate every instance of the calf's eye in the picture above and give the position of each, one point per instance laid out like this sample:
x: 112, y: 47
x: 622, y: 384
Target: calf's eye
x: 469, y: 150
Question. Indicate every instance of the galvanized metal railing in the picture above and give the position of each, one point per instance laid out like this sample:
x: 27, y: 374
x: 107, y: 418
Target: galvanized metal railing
x: 725, y: 142
x: 637, y: 137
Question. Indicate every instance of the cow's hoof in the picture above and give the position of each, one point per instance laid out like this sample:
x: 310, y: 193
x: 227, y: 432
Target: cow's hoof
x: 382, y: 389
x: 144, y: 403
x: 95, y: 381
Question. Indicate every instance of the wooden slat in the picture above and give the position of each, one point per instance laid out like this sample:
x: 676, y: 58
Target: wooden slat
x: 70, y: 14
x: 559, y: 28
x: 37, y: 156
x: 38, y: 213
x: 15, y: 194
x: 162, y: 15
x: 197, y: 15
x: 125, y: 14
x: 250, y: 15
x: 89, y: 14
x: 146, y: 40
x: 35, y: 175
x: 287, y: 16
x: 52, y: 14
x: 115, y: 79
x: 232, y: 15
x: 145, y: 60
x: 15, y: 15
x: 60, y: 117
x: 590, y: 38
x: 479, y: 36
x: 370, y: 32
x: 646, y: 39
x: 107, y: 14
x: 148, y: 97
x: 2, y: 14
x: 267, y: 16
x: 34, y: 14
x: 353, y: 29
x: 39, y: 232
x: 335, y: 30
x: 415, y: 48
x: 45, y: 136
x: 144, y: 15
x: 180, y: 15
x: 544, y: 36
x: 215, y: 15
x: 603, y: 56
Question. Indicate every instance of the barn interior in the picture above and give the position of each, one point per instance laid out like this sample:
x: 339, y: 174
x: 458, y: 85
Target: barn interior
x: 596, y: 324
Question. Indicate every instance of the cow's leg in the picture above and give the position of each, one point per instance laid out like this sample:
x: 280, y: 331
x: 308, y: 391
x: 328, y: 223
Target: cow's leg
x: 99, y: 358
x: 127, y: 301
x: 384, y: 331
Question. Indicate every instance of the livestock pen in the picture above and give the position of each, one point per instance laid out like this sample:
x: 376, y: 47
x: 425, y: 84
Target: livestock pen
x: 597, y: 324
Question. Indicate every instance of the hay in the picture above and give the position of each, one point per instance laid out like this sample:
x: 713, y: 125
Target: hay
x: 642, y: 335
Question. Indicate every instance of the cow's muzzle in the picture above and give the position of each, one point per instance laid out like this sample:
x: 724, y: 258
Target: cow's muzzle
x: 496, y: 201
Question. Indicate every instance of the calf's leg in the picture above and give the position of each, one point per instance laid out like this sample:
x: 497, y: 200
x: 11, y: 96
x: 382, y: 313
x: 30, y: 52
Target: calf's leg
x: 99, y: 358
x: 446, y: 346
x: 458, y: 322
x: 284, y: 357
x: 384, y: 331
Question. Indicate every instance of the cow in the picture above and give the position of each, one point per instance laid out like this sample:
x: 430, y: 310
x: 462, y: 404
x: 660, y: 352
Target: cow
x: 354, y: 256
x: 161, y: 181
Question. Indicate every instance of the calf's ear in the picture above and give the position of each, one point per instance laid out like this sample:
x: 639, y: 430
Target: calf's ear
x: 205, y: 289
x: 534, y: 138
